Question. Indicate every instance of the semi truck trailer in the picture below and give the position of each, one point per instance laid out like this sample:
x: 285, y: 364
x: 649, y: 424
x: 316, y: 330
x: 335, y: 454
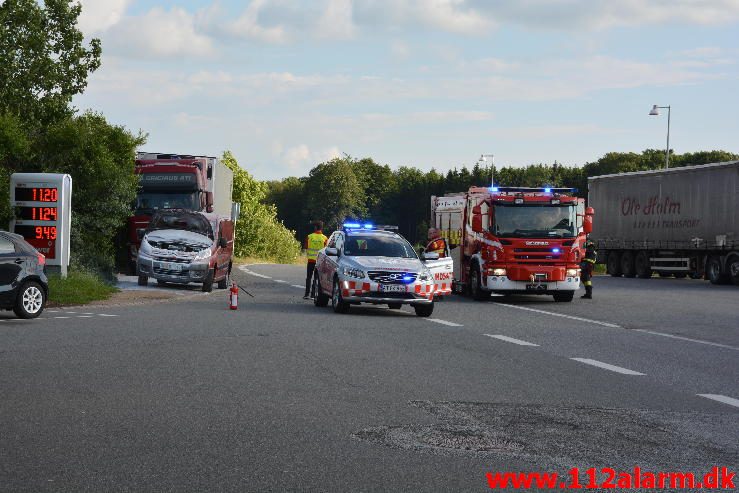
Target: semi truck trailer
x: 671, y: 222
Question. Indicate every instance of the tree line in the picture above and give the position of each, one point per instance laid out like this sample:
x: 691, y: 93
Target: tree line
x: 347, y: 187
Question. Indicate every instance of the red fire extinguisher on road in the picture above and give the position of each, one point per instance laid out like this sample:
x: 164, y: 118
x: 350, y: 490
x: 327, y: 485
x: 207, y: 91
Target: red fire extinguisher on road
x: 233, y: 297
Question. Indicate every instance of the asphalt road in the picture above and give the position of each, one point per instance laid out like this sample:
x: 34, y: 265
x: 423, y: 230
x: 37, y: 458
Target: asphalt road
x: 283, y: 396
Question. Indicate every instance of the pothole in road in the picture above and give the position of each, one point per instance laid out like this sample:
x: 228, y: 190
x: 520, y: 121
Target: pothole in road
x: 563, y: 437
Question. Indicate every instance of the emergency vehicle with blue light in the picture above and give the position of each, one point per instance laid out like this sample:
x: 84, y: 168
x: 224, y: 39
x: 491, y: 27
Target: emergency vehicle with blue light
x: 514, y: 240
x: 363, y: 263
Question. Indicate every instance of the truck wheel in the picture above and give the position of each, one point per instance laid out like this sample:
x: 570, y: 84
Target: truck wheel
x: 564, y: 296
x: 337, y: 301
x: 733, y: 269
x: 424, y: 310
x: 475, y: 287
x: 714, y: 272
x: 30, y: 301
x: 642, y: 265
x: 225, y: 282
x: 208, y: 282
x: 613, y: 264
x: 143, y: 280
x: 319, y: 299
x: 627, y: 264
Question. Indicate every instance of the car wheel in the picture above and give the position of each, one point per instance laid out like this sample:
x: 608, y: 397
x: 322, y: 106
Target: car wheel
x: 564, y: 296
x: 475, y: 287
x: 225, y: 282
x: 319, y: 299
x: 424, y: 310
x: 143, y: 280
x: 30, y: 301
x: 208, y: 282
x: 394, y: 306
x: 337, y: 301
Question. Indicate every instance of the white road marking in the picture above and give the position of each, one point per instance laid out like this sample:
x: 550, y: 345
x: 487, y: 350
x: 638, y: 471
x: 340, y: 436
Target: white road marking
x: 281, y: 281
x: 88, y: 314
x: 571, y: 317
x: 606, y: 366
x: 106, y: 315
x: 443, y: 322
x: 84, y: 316
x: 699, y: 341
x: 257, y: 275
x: 721, y: 398
x: 297, y: 286
x: 61, y: 317
x: 71, y: 313
x: 511, y: 339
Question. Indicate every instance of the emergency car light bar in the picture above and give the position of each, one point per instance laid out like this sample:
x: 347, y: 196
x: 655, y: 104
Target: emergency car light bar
x: 531, y: 189
x: 369, y: 226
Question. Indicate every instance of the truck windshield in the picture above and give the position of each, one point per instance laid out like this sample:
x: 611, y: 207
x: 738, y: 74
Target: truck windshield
x: 148, y: 202
x: 185, y: 221
x: 378, y: 246
x: 535, y: 221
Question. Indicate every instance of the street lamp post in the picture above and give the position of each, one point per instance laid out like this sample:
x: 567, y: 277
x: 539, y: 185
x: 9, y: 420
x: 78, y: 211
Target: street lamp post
x: 655, y: 112
x: 483, y: 159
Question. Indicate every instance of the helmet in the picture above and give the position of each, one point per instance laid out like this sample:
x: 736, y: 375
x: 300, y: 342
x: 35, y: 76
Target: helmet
x: 589, y: 244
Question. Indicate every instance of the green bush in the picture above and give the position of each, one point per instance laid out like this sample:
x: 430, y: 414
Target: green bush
x: 81, y: 286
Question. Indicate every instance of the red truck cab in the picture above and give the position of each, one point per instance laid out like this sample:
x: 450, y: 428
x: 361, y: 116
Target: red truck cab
x: 514, y: 240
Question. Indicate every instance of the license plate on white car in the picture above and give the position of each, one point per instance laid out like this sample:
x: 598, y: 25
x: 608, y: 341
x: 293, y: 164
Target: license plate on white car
x: 392, y: 288
x: 172, y: 266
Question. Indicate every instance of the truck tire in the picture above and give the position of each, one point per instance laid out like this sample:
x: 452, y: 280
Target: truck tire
x: 714, y: 272
x: 319, y: 299
x: 564, y: 296
x: 478, y: 294
x: 733, y: 269
x: 208, y: 282
x: 337, y: 301
x: 627, y: 264
x: 143, y: 280
x: 642, y: 265
x: 30, y: 300
x: 225, y: 282
x: 613, y: 264
x: 424, y: 310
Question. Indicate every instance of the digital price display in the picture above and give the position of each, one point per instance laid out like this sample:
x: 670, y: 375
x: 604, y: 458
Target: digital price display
x: 37, y: 213
x: 42, y: 204
x: 34, y: 194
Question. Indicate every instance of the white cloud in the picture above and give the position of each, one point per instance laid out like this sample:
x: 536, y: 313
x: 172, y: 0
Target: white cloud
x: 336, y: 21
x: 248, y: 26
x: 159, y: 34
x: 98, y: 16
x: 301, y: 158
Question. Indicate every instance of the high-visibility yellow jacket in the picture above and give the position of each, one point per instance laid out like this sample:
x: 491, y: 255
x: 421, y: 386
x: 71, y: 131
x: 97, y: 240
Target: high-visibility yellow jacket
x: 313, y: 244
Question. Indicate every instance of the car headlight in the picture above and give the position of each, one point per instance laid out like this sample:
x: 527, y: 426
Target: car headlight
x: 573, y: 272
x: 203, y: 254
x: 499, y: 272
x: 351, y: 272
x: 145, y: 248
x: 425, y: 276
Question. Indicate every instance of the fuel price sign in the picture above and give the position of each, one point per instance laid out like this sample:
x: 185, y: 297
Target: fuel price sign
x: 42, y: 205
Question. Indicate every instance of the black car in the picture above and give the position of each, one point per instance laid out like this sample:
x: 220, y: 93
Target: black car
x: 23, y: 284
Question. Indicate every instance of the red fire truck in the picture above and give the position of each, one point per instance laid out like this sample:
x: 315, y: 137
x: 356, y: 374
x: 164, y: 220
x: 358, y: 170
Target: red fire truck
x: 514, y: 240
x: 176, y: 181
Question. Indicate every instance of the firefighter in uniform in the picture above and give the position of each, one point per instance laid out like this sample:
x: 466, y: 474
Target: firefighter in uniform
x: 313, y: 243
x: 437, y: 243
x: 587, y: 265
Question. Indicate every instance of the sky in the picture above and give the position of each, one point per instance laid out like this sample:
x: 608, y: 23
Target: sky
x: 287, y: 84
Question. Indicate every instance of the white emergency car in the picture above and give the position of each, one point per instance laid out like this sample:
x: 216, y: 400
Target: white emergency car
x: 373, y: 264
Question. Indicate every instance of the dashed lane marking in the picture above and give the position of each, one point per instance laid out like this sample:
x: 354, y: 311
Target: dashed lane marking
x: 281, y: 281
x: 721, y: 398
x: 699, y: 341
x: 443, y: 322
x: 251, y: 272
x: 84, y: 316
x: 606, y: 366
x: 62, y: 317
x: 555, y: 314
x: 106, y: 315
x: 512, y: 340
x: 297, y: 286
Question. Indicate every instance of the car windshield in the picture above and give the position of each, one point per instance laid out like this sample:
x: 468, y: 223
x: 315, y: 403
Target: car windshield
x: 378, y: 246
x: 184, y: 221
x: 535, y: 221
x: 148, y: 202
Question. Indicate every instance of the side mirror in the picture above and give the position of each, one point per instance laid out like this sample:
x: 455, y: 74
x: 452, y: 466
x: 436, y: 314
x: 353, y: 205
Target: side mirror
x: 222, y: 242
x: 332, y: 252
x: 140, y: 233
x: 430, y: 256
x: 587, y: 223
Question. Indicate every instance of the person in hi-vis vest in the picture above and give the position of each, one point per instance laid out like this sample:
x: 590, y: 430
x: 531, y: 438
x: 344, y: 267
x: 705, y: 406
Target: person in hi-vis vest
x: 313, y: 243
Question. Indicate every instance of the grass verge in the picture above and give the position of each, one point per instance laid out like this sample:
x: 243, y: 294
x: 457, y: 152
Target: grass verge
x: 301, y: 260
x: 78, y: 288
